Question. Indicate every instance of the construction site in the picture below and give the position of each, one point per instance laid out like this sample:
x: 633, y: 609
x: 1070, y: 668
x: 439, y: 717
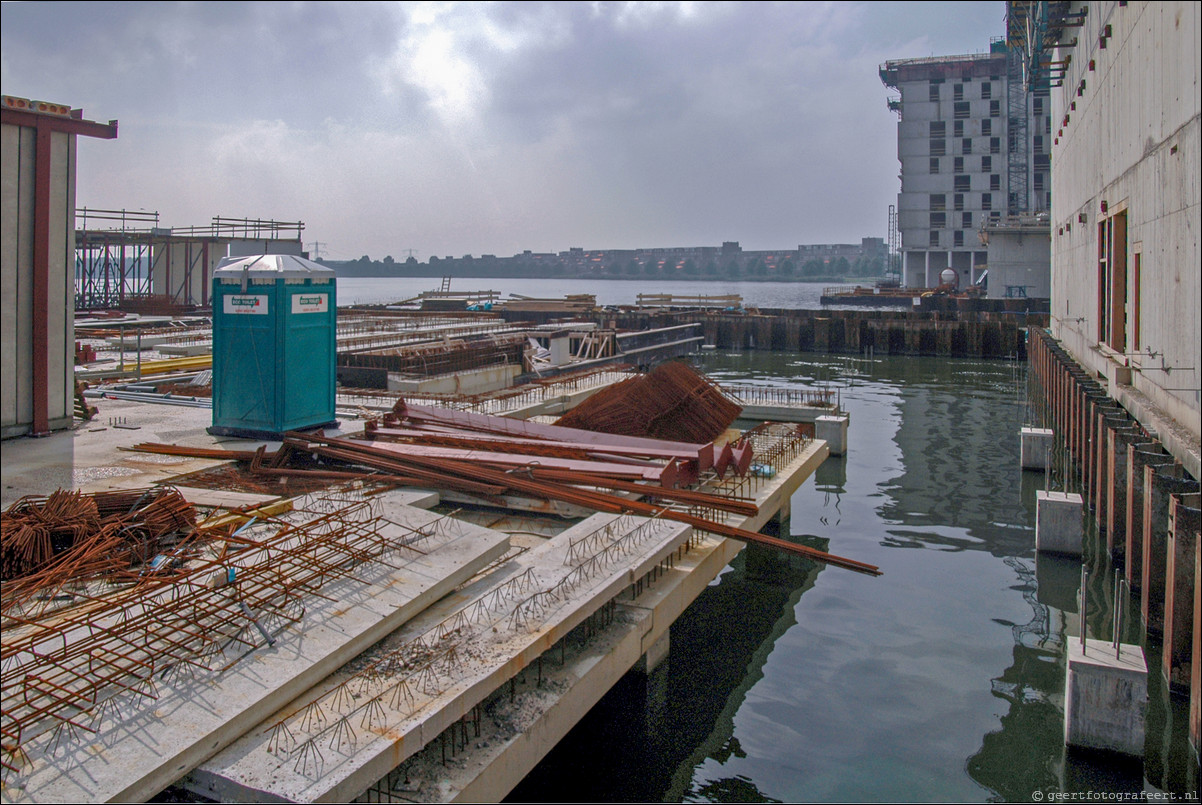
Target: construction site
x: 274, y: 550
x: 335, y: 614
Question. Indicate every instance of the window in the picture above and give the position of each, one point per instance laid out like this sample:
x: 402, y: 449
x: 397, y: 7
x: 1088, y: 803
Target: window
x: 938, y: 201
x: 1037, y: 144
x: 995, y: 108
x: 1135, y: 328
x: 994, y: 217
x: 934, y: 164
x: 1047, y: 126
x: 1039, y: 182
x: 938, y: 220
x: 957, y: 92
x: 958, y: 165
x: 995, y: 181
x: 958, y: 128
x: 934, y: 91
x: 1043, y: 162
x: 1112, y: 282
x: 995, y: 145
x: 933, y: 240
x: 986, y: 164
x: 966, y: 146
x: 966, y: 220
x: 958, y: 238
x: 938, y: 147
x: 962, y: 184
x: 986, y: 91
x: 1037, y: 106
x: 959, y: 201
x: 986, y: 201
x: 960, y: 110
x: 986, y: 127
x: 938, y: 128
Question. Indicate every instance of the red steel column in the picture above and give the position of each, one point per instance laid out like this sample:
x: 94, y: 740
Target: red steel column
x: 1179, y: 616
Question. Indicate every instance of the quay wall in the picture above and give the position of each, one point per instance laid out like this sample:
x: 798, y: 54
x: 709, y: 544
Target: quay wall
x: 948, y: 333
x: 1137, y: 473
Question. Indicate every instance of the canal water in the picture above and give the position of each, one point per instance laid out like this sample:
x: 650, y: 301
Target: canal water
x: 940, y: 680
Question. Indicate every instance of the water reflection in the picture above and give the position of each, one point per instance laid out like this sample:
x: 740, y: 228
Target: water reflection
x: 942, y: 679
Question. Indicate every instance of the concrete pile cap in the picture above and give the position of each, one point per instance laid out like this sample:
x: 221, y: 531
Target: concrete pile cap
x: 272, y: 266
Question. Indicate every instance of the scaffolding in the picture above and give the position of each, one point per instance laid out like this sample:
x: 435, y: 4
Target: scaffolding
x: 119, y: 255
x: 1018, y: 163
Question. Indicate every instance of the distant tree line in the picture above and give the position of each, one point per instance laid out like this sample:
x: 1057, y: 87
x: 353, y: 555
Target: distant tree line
x: 741, y: 266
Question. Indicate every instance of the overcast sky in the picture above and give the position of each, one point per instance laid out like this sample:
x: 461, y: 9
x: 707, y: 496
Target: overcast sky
x: 473, y: 128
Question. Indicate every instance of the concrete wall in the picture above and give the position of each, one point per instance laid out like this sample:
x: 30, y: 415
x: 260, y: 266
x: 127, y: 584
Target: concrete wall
x: 1126, y: 133
x: 1020, y: 257
x: 17, y: 160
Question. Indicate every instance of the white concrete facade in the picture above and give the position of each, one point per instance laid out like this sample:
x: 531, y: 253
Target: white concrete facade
x: 954, y: 146
x: 1126, y: 212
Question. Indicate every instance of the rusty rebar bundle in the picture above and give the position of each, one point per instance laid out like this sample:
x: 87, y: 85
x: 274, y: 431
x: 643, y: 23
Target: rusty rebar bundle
x: 672, y: 402
x: 48, y: 541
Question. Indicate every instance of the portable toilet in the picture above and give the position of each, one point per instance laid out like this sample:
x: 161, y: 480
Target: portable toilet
x: 274, y: 321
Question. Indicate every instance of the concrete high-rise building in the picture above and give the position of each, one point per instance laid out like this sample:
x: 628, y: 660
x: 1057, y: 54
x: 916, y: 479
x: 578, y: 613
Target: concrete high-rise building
x: 973, y: 146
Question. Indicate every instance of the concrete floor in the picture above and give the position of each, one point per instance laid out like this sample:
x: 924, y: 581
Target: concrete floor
x: 90, y: 458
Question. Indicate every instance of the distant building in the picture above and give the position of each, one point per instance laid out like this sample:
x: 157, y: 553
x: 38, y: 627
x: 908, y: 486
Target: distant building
x: 973, y: 146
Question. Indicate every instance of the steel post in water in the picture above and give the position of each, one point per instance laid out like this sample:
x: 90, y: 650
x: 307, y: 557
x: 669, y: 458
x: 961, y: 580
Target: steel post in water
x: 1084, y: 576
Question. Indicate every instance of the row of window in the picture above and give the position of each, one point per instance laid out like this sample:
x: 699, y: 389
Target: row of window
x: 957, y: 237
x: 958, y: 164
x: 958, y: 89
x: 938, y: 205
x: 938, y: 201
x: 934, y: 91
x: 939, y: 146
x: 939, y: 128
x: 939, y: 220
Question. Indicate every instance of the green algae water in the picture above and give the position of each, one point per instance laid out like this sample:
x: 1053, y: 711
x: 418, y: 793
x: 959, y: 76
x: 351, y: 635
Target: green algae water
x: 942, y: 680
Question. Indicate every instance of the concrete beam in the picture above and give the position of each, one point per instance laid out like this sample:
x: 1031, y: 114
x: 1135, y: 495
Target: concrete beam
x: 250, y: 771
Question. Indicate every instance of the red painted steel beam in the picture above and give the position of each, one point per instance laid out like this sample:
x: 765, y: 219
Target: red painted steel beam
x: 601, y: 501
x: 703, y: 453
x: 663, y: 474
x: 534, y: 446
x: 41, y: 282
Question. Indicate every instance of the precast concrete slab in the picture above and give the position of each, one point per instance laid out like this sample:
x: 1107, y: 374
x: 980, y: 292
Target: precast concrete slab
x: 763, y: 412
x: 576, y: 680
x: 524, y: 723
x: 438, y: 668
x: 137, y: 751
